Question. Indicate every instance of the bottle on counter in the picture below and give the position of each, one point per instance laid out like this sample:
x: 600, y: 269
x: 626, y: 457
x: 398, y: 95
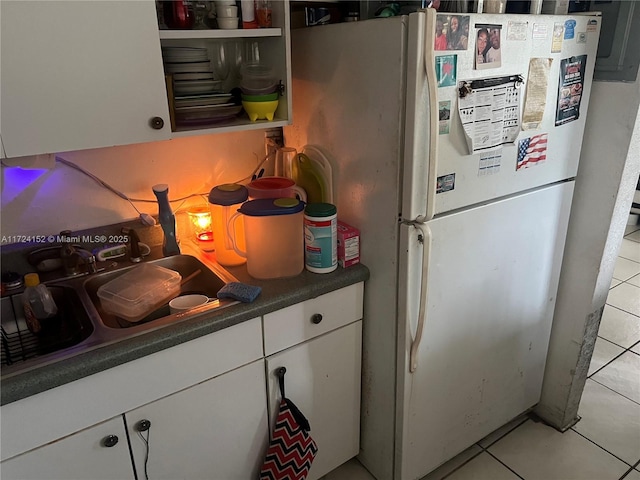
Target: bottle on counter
x: 37, y: 302
x: 320, y: 237
x: 167, y: 220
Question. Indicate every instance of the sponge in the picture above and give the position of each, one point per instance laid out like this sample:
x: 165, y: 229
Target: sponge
x: 239, y: 291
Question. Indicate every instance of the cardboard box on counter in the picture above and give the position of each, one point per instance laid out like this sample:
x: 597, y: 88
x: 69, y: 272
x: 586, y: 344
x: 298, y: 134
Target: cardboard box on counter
x: 348, y: 245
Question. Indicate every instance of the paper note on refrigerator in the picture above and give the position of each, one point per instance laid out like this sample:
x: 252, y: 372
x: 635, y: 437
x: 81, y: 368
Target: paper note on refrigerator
x: 490, y: 112
x: 535, y: 99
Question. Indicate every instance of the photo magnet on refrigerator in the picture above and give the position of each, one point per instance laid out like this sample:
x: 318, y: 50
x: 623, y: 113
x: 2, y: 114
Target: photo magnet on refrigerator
x: 488, y: 43
x: 444, y: 116
x: 445, y: 183
x: 446, y: 66
x: 452, y: 32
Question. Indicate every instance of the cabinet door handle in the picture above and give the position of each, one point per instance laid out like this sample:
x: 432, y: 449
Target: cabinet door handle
x: 143, y: 425
x: 156, y: 123
x: 316, y: 318
x: 110, y: 441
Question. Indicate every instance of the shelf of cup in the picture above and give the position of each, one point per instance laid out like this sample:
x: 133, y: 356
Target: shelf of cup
x: 219, y: 33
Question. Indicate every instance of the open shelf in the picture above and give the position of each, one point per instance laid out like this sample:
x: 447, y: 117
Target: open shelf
x: 237, y: 33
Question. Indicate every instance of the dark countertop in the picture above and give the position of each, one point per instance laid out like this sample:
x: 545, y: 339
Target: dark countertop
x: 276, y: 294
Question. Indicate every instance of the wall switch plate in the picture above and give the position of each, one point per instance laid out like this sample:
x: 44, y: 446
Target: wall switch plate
x: 271, y: 136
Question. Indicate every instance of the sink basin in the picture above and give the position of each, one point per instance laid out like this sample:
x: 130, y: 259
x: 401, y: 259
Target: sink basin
x: 82, y: 324
x: 200, y: 278
x: 70, y: 326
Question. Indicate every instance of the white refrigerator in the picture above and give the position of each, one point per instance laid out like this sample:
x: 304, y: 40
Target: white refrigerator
x: 458, y: 168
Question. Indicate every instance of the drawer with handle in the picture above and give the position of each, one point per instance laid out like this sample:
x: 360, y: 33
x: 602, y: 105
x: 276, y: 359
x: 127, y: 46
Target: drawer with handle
x: 305, y: 320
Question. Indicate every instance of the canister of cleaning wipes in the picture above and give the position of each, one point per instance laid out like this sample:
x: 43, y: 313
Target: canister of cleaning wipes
x: 320, y: 237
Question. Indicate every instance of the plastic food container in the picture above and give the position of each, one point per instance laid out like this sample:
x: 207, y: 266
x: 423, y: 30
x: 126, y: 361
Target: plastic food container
x: 257, y: 77
x: 140, y: 291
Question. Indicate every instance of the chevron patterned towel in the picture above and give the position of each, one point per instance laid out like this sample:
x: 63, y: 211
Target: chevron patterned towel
x: 292, y: 449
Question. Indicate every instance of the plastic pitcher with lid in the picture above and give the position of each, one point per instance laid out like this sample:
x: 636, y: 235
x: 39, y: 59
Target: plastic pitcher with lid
x: 225, y: 200
x: 274, y: 237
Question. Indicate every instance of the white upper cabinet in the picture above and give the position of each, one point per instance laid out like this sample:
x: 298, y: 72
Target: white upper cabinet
x: 90, y: 74
x: 228, y: 50
x: 78, y: 75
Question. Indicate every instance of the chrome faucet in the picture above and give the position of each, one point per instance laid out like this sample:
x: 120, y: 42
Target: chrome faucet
x: 73, y: 259
x: 134, y: 244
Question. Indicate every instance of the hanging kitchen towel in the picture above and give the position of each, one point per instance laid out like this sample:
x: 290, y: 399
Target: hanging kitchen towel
x: 291, y: 450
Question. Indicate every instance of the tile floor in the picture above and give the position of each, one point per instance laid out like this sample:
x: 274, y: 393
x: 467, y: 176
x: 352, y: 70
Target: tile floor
x: 605, y: 443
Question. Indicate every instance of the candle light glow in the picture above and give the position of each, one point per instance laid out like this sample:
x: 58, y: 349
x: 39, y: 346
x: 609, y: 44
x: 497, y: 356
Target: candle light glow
x: 200, y: 218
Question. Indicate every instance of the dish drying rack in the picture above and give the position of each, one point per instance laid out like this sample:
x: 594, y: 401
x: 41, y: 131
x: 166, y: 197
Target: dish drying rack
x: 19, y: 344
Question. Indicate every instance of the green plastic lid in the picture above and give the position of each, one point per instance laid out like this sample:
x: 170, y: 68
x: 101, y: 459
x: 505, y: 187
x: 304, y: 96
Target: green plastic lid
x: 228, y: 194
x: 320, y: 209
x: 271, y: 206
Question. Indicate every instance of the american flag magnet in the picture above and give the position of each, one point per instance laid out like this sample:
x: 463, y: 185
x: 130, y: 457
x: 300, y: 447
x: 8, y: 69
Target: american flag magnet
x: 532, y: 151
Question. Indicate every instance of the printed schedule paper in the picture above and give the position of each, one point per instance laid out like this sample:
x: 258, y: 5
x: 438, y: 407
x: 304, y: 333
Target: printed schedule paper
x: 490, y: 113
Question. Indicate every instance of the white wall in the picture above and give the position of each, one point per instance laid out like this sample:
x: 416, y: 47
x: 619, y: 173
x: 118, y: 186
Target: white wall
x: 48, y: 201
x: 605, y: 185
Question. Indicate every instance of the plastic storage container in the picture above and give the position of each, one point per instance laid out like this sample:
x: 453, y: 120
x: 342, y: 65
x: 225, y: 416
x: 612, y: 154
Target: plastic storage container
x: 37, y: 302
x: 320, y: 237
x: 225, y: 200
x: 275, y: 187
x: 274, y: 235
x: 140, y: 291
x: 257, y: 79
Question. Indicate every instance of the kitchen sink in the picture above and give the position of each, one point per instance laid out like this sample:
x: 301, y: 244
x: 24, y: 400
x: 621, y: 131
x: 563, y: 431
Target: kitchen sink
x: 200, y: 279
x: 82, y: 324
x: 70, y: 326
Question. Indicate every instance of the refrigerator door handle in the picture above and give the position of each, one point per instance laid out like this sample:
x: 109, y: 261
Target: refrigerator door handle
x: 432, y: 85
x: 426, y: 256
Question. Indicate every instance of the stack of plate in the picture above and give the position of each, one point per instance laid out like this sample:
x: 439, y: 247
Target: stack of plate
x: 205, y: 109
x: 197, y: 94
x: 191, y: 70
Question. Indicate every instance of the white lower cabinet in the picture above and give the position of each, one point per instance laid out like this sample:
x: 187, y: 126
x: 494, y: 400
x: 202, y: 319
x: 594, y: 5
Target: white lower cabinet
x: 205, y: 406
x: 217, y: 429
x: 323, y: 381
x: 100, y: 452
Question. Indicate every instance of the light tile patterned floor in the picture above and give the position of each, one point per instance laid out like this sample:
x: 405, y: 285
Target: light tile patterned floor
x: 605, y: 443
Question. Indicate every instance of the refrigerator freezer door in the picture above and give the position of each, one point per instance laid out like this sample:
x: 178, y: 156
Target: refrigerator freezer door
x: 492, y: 280
x: 421, y: 119
x: 492, y: 173
x: 348, y: 83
